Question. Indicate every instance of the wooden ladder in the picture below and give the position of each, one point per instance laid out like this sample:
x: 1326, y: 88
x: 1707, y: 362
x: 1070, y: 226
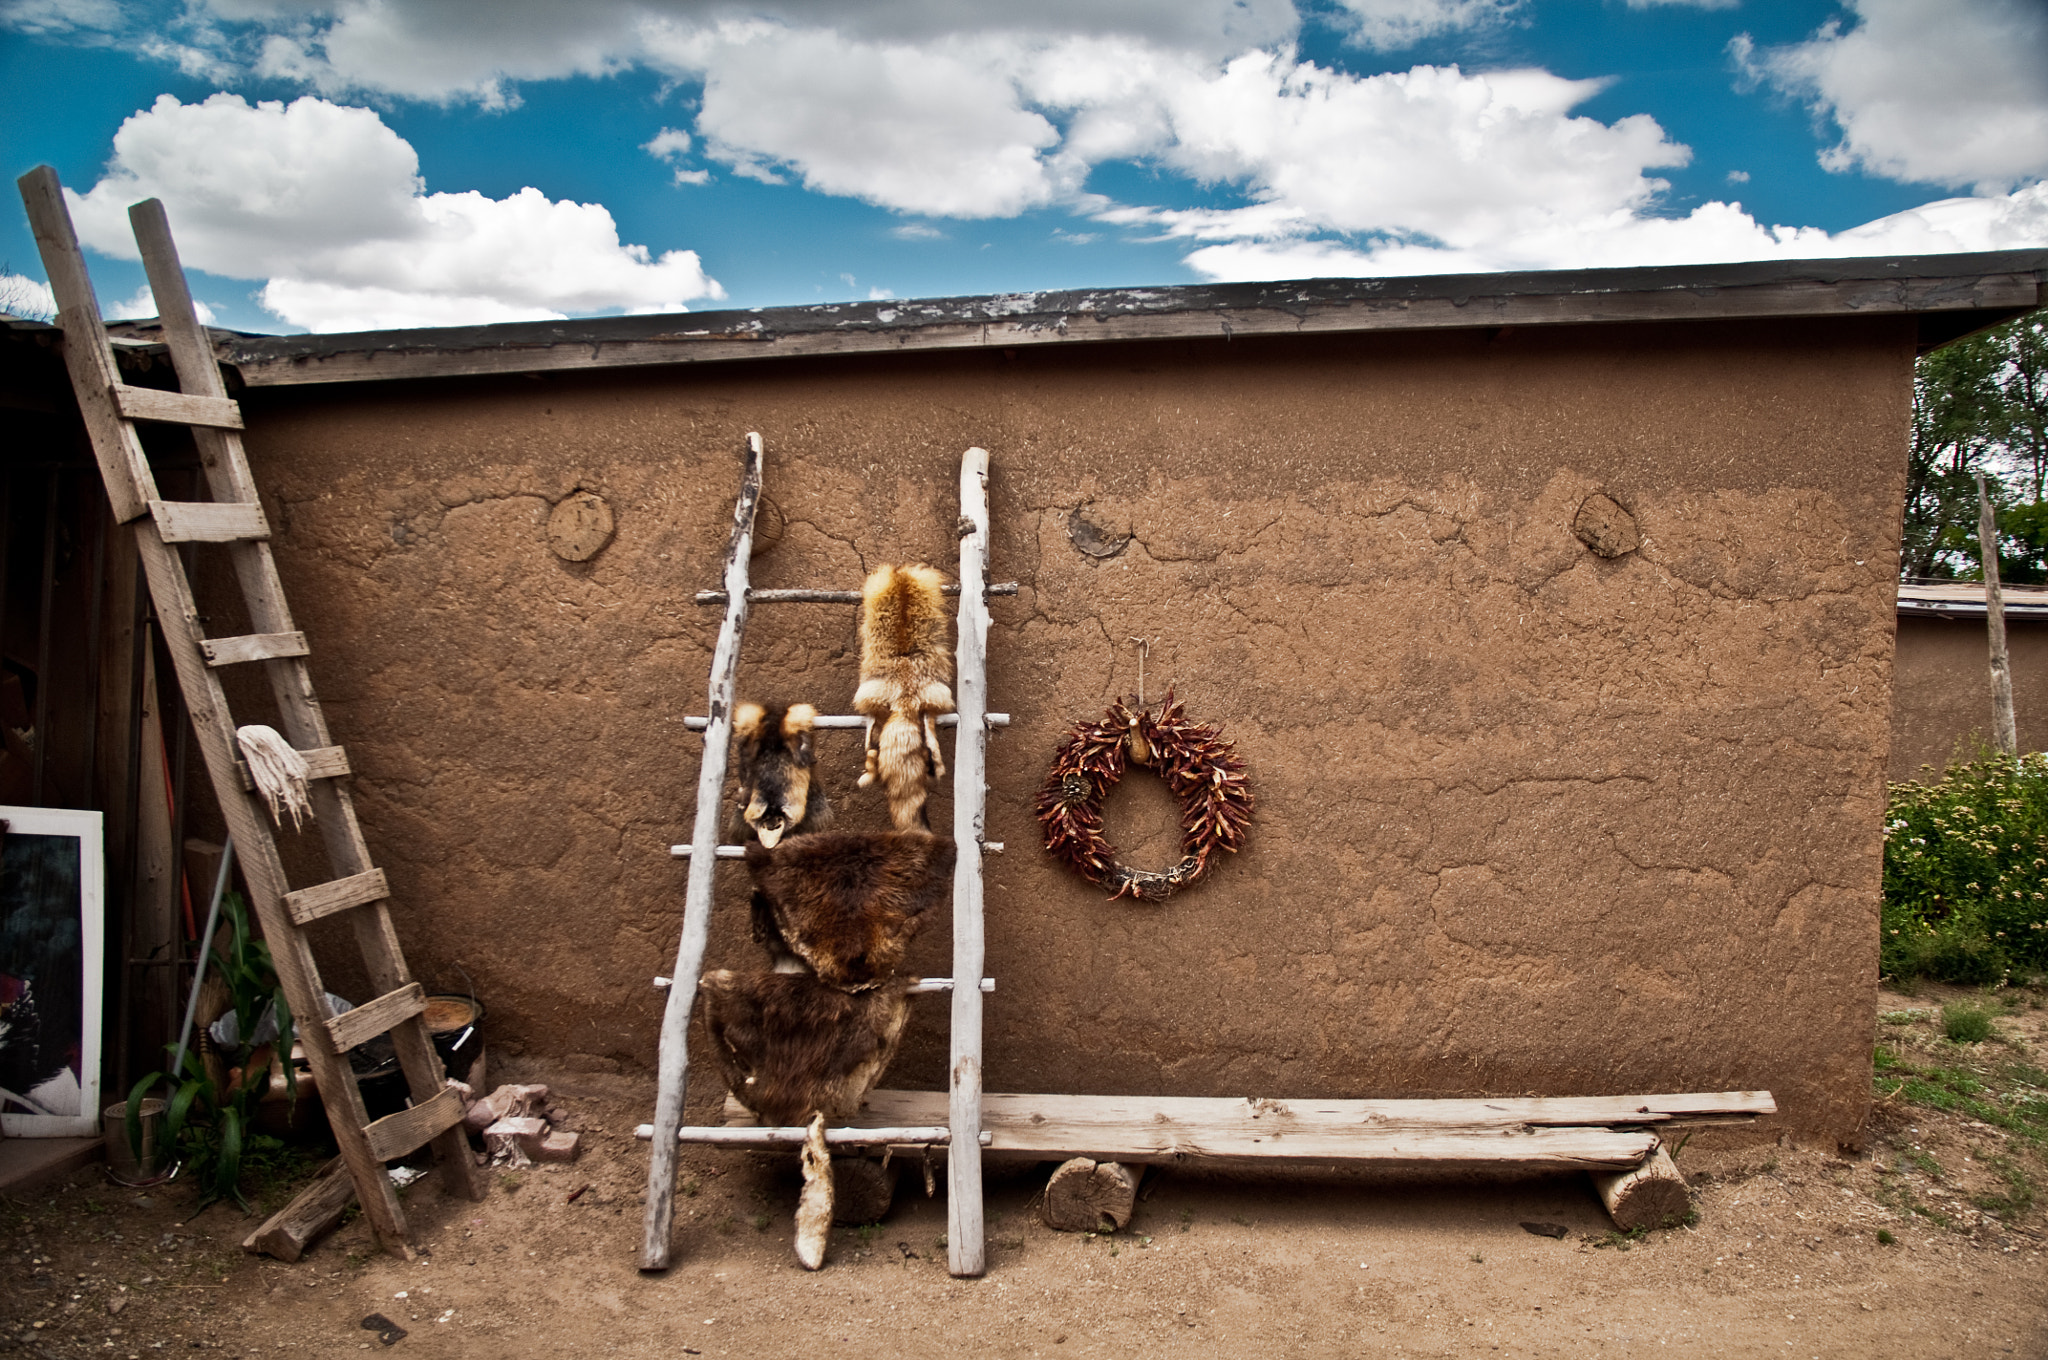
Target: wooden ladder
x: 234, y: 518
x: 961, y: 1133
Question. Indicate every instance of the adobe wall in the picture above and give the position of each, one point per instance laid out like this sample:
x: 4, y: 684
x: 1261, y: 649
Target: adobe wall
x: 1941, y: 701
x: 1530, y: 820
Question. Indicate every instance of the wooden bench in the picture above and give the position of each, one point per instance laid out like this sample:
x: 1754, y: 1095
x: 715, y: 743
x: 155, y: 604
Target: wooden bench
x: 1619, y: 1140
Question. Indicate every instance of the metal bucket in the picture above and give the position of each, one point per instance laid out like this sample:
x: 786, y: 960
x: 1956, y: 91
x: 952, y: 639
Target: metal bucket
x: 456, y: 1024
x: 122, y: 1163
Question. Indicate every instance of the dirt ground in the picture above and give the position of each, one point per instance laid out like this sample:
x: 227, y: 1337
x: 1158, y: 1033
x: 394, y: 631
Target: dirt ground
x: 1784, y: 1260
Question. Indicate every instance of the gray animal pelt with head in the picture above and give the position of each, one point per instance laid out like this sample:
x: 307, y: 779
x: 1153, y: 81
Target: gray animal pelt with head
x: 906, y: 677
x: 849, y: 903
x: 779, y: 791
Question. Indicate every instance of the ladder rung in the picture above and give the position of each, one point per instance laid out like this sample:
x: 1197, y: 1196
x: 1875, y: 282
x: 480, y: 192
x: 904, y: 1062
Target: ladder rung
x: 397, y: 1134
x: 177, y: 408
x: 357, y: 890
x: 740, y: 851
x: 209, y: 521
x: 255, y: 647
x: 834, y: 721
x: 917, y: 987
x: 322, y: 762
x: 373, y: 1018
x: 937, y: 1135
x: 830, y: 596
x: 325, y: 762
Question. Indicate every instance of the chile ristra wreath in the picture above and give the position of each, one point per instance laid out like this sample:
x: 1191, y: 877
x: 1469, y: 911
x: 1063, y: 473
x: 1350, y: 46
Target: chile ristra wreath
x: 1201, y: 769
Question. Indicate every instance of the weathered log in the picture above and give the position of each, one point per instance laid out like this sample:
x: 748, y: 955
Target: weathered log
x: 1090, y: 1196
x: 313, y: 1211
x: 1652, y: 1195
x: 862, y: 1189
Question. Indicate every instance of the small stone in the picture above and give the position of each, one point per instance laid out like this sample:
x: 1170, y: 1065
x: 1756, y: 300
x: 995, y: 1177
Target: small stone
x: 117, y: 1303
x: 559, y: 1146
x: 1605, y: 527
x: 516, y: 1138
x: 579, y: 527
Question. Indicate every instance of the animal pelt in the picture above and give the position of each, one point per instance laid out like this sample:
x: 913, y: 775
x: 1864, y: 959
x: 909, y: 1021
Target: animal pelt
x: 849, y: 903
x: 814, y: 1206
x: 792, y: 1047
x: 906, y: 677
x: 779, y: 793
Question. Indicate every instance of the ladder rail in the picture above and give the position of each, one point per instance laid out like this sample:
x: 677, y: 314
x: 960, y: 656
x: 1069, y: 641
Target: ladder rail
x: 234, y: 518
x: 303, y: 719
x: 965, y: 1246
x: 674, y: 1072
x: 87, y: 356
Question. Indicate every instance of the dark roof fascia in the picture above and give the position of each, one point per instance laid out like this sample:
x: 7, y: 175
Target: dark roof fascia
x: 2015, y: 610
x: 1952, y: 295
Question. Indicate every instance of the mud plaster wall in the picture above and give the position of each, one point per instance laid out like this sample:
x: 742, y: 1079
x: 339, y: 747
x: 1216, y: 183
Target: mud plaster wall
x: 1941, y: 705
x: 1530, y: 820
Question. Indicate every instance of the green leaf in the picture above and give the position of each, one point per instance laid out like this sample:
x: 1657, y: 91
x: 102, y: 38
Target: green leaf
x: 227, y: 1171
x: 134, y: 1119
x: 181, y: 1106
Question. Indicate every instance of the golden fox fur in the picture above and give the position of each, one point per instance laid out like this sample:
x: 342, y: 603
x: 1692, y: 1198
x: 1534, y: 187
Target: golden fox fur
x: 779, y: 795
x: 906, y: 678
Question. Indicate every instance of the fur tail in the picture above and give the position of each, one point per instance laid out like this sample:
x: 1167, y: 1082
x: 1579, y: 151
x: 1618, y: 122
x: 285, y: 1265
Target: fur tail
x: 814, y: 1206
x: 904, y: 764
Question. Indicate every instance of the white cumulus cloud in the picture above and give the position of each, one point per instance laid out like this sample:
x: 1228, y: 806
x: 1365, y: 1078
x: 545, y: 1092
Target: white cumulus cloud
x: 1951, y: 92
x: 326, y: 204
x: 1390, y: 25
x: 142, y: 306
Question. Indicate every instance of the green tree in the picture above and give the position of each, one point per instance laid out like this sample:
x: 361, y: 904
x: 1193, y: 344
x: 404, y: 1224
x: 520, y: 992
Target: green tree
x: 1980, y: 405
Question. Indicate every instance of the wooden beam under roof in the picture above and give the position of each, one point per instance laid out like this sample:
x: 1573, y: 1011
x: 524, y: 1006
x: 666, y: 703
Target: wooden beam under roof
x: 1949, y: 295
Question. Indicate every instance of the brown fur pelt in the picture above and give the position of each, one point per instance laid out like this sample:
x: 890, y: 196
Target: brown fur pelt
x: 779, y: 792
x: 849, y: 903
x: 906, y: 677
x: 791, y: 1047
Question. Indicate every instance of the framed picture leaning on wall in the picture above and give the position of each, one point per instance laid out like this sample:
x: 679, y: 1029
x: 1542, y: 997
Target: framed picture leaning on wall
x: 52, y: 930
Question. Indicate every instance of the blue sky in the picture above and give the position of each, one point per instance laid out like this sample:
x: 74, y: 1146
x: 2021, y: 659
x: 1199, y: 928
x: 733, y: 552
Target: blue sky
x: 343, y: 164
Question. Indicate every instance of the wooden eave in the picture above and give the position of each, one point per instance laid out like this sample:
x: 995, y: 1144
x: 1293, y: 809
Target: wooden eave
x: 1951, y: 295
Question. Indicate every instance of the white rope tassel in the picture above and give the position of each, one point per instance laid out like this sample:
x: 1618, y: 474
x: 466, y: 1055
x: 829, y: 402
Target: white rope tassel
x: 279, y: 772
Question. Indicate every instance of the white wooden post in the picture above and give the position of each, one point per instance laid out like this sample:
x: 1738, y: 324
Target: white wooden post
x: 965, y: 1253
x: 675, y: 1017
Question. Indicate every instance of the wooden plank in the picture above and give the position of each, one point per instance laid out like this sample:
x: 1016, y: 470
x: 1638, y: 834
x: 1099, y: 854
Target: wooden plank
x: 235, y: 651
x: 357, y: 890
x: 209, y: 521
x: 314, y: 1210
x: 674, y: 1074
x: 90, y: 360
x: 397, y: 1134
x: 1139, y: 1127
x: 2014, y: 291
x: 326, y: 762
x: 322, y: 762
x: 373, y: 1018
x: 176, y: 408
x: 966, y: 1253
x: 1135, y: 1130
x: 775, y: 596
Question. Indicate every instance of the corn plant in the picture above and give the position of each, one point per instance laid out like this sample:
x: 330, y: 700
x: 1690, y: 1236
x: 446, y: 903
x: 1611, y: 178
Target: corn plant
x: 208, y: 1122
